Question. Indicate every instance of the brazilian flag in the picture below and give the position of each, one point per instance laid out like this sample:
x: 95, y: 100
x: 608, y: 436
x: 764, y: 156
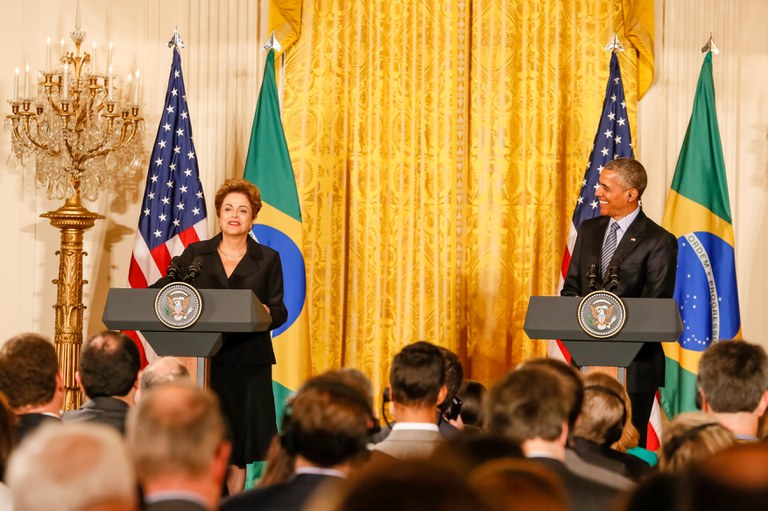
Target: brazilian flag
x: 698, y: 213
x: 278, y: 226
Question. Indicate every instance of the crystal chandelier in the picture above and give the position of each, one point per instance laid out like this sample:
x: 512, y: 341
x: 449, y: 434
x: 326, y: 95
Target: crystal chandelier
x: 75, y: 124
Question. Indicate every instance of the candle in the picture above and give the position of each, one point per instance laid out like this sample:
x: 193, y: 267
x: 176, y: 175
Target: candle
x: 137, y: 92
x: 16, y: 85
x: 109, y: 83
x: 65, y: 79
x: 48, y: 54
x: 93, y: 60
x: 26, y: 81
x: 129, y: 88
x: 109, y: 58
x: 62, y: 48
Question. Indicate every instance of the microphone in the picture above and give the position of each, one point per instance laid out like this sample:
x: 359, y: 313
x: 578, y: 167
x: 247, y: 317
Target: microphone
x: 614, y: 276
x: 173, y: 269
x: 194, y: 270
x: 593, y: 276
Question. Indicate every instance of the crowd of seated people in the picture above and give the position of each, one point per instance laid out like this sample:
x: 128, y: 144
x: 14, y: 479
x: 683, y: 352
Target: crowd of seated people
x: 545, y: 437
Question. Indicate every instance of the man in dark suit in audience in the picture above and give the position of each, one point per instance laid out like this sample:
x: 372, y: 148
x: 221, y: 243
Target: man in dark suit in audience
x: 417, y: 388
x: 646, y: 255
x: 326, y: 427
x: 30, y: 378
x: 109, y: 376
x: 176, y: 436
x: 529, y: 408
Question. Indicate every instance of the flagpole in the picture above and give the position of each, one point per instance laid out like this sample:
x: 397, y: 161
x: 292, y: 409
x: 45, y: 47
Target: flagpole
x: 710, y: 46
x: 614, y: 44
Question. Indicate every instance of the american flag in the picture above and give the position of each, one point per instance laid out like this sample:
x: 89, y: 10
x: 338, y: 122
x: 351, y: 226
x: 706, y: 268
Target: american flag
x: 173, y: 213
x: 612, y: 141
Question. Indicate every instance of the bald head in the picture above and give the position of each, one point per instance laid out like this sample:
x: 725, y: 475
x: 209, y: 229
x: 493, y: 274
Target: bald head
x: 162, y: 370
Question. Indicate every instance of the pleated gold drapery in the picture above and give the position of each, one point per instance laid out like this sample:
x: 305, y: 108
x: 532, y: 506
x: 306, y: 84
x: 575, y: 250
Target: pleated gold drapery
x: 439, y: 148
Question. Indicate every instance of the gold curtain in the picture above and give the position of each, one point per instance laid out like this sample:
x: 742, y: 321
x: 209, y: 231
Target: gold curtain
x: 439, y: 148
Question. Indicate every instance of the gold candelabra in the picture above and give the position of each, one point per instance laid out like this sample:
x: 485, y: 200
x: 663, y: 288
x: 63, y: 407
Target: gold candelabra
x: 80, y: 133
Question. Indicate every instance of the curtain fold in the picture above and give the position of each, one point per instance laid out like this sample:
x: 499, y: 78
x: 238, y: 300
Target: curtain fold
x: 439, y: 149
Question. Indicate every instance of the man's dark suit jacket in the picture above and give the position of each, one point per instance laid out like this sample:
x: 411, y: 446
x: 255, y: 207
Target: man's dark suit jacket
x: 583, y: 494
x: 261, y: 272
x: 647, y: 257
x: 289, y: 496
x: 104, y: 410
x: 620, y: 462
x: 29, y: 422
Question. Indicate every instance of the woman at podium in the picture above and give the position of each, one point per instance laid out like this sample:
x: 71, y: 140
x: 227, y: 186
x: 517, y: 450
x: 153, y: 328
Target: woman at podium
x: 241, y: 372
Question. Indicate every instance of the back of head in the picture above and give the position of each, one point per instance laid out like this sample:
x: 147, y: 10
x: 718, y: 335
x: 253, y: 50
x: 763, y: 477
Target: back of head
x: 28, y: 370
x: 327, y: 422
x: 528, y: 404
x: 570, y: 382
x: 162, y: 370
x: 412, y: 485
x: 176, y: 429
x: 454, y: 374
x: 736, y: 478
x: 520, y: 484
x: 471, y: 394
x: 109, y: 364
x: 464, y: 453
x: 71, y: 467
x: 691, y: 438
x: 631, y: 172
x: 417, y: 375
x: 604, y: 412
x: 733, y: 376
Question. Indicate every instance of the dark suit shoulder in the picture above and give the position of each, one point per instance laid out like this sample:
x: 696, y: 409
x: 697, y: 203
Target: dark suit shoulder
x: 288, y: 496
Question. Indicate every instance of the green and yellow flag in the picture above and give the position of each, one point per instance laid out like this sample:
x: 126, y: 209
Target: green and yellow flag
x: 278, y: 226
x: 698, y: 213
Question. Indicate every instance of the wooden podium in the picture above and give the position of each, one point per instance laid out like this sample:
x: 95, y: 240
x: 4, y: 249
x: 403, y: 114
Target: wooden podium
x: 224, y: 311
x: 647, y: 320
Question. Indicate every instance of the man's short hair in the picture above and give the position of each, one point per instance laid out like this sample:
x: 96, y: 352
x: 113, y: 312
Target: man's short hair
x: 71, y: 467
x: 176, y: 429
x: 527, y: 404
x: 570, y: 382
x: 28, y: 370
x: 417, y: 375
x: 733, y: 375
x: 454, y: 374
x: 162, y: 370
x: 631, y: 172
x: 327, y: 421
x: 109, y: 364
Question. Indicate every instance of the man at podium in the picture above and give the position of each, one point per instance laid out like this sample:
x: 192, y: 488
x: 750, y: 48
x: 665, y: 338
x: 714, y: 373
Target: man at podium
x: 625, y: 243
x: 241, y: 372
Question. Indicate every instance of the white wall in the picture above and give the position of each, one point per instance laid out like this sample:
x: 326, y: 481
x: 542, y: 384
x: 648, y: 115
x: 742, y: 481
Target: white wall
x: 740, y: 73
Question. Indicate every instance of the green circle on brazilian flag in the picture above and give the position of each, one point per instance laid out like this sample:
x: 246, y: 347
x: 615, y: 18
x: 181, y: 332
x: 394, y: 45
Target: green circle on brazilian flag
x: 602, y: 314
x: 178, y: 305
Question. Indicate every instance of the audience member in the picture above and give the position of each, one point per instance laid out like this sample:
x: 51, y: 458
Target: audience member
x: 691, y: 438
x: 572, y: 386
x: 733, y: 381
x: 162, y: 370
x: 176, y: 435
x: 601, y: 423
x: 411, y: 485
x: 464, y: 453
x: 629, y: 441
x: 471, y: 394
x: 658, y: 492
x: 72, y: 467
x: 530, y: 407
x: 30, y: 378
x: 109, y: 376
x: 519, y: 485
x: 417, y: 387
x: 449, y: 411
x: 736, y: 478
x: 326, y: 427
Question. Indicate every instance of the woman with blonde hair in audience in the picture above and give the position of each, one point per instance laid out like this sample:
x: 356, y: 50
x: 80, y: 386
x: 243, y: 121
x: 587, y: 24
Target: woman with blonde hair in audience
x: 691, y: 438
